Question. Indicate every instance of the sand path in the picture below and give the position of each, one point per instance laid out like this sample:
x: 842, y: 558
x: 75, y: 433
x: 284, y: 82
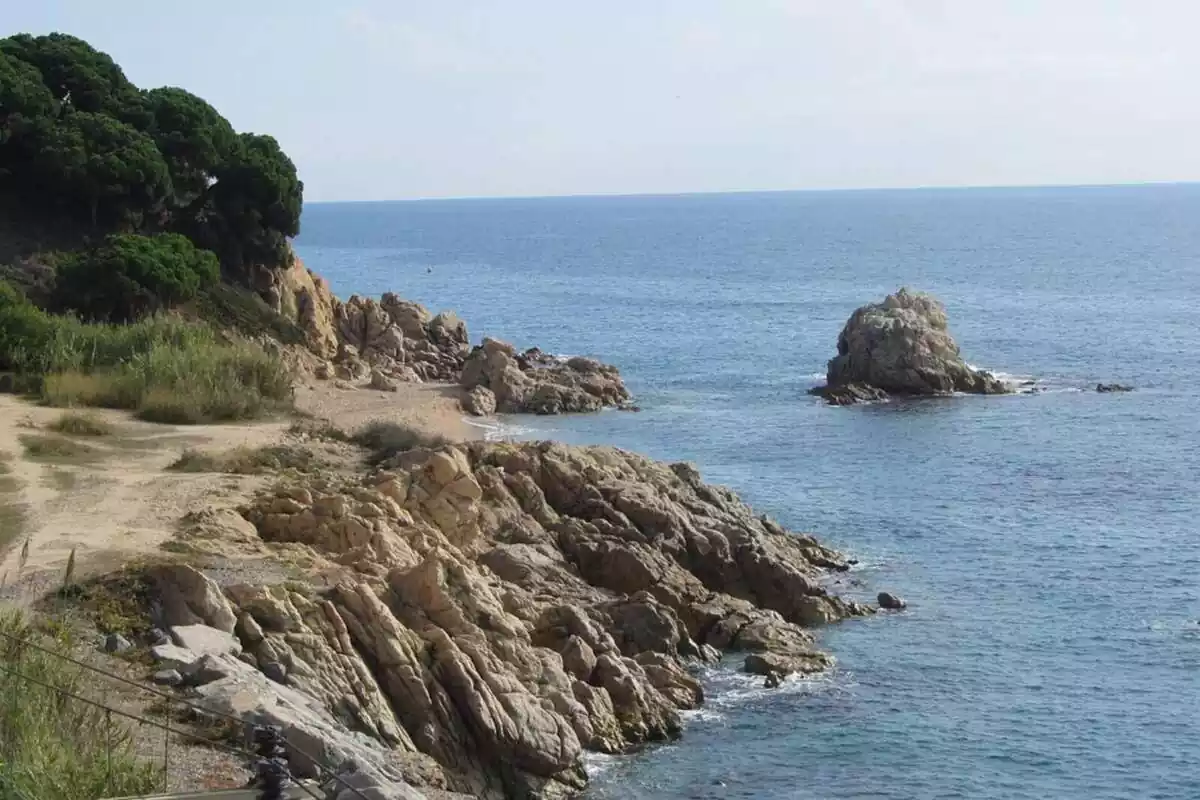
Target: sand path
x: 118, y: 501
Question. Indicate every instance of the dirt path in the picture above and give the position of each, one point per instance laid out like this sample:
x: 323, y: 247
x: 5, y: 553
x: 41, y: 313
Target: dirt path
x: 110, y: 500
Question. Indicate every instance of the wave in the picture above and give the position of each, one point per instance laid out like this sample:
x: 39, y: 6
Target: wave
x: 497, y: 431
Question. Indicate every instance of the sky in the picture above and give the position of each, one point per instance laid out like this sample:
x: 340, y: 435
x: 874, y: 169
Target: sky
x: 378, y: 100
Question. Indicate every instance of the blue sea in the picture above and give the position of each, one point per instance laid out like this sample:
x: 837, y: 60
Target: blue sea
x: 1048, y: 543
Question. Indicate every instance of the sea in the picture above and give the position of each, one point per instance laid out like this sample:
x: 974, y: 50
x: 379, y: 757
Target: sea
x: 1047, y: 543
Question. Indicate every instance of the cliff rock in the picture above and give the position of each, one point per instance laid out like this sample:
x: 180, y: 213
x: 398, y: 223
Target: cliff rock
x: 901, y: 346
x: 540, y: 383
x: 504, y: 607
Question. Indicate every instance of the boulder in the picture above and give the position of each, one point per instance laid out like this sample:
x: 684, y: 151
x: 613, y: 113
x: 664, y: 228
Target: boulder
x: 205, y: 641
x: 902, y: 346
x: 539, y: 383
x: 479, y: 401
x: 890, y: 601
x: 116, y: 643
x: 189, y: 597
x: 383, y: 383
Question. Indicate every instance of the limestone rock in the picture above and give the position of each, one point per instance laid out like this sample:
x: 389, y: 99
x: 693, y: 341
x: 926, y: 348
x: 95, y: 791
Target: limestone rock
x: 535, y: 382
x: 902, y: 346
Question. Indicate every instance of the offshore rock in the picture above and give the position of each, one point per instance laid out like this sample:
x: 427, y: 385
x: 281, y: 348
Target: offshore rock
x: 540, y: 383
x: 902, y: 346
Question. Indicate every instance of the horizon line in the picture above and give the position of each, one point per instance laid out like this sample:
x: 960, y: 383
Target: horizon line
x: 725, y: 192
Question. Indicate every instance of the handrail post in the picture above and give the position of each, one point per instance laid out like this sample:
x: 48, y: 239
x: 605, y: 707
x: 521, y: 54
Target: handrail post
x: 272, y: 768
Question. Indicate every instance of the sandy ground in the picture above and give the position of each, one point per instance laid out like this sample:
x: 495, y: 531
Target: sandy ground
x: 432, y: 408
x: 119, y: 502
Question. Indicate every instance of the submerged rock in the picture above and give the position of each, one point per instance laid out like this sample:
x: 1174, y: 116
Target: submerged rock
x: 901, y: 346
x: 890, y: 601
x: 539, y: 383
x: 1106, y: 388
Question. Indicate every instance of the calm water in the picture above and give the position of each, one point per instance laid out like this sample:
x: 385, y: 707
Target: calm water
x: 1049, y: 544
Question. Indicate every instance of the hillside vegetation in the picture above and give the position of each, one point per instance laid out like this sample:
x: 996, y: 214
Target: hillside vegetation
x: 118, y: 207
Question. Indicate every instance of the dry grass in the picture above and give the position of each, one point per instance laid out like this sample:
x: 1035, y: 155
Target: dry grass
x: 249, y: 460
x: 44, y: 447
x: 73, y: 423
x: 385, y: 440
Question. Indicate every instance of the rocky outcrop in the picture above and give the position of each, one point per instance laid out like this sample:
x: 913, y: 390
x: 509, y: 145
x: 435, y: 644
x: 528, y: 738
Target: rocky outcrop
x: 901, y: 346
x: 399, y: 339
x: 498, y: 609
x: 540, y: 383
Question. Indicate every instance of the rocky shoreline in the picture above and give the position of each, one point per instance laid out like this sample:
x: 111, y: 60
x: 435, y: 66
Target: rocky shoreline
x: 495, y: 611
x: 377, y: 344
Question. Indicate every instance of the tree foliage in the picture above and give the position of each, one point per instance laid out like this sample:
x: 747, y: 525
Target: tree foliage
x: 128, y: 276
x: 79, y: 139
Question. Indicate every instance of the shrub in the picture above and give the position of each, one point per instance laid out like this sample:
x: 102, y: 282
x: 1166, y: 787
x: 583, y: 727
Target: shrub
x: 163, y: 368
x: 56, y: 746
x: 75, y: 424
x: 388, y: 439
x: 128, y: 276
x: 55, y: 448
x: 248, y: 460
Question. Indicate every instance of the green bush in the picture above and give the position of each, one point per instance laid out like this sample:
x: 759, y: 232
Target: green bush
x: 165, y: 369
x: 128, y: 277
x: 52, y: 746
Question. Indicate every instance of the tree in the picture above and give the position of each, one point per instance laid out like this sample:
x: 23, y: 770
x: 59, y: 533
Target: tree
x: 254, y: 206
x: 80, y: 76
x: 114, y: 169
x: 128, y: 276
x: 193, y: 138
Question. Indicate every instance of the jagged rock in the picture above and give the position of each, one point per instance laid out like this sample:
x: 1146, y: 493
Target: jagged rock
x: 902, y: 346
x: 1106, y: 388
x: 542, y: 384
x: 205, y: 641
x: 850, y: 394
x: 479, y: 401
x: 509, y: 605
x: 275, y: 671
x: 890, y: 601
x: 189, y: 597
x: 170, y: 656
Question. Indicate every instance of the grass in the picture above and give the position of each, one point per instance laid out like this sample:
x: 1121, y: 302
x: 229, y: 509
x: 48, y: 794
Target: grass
x: 54, y: 747
x: 231, y: 308
x: 385, y: 440
x: 43, y: 447
x: 248, y: 460
x: 73, y: 423
x: 163, y: 368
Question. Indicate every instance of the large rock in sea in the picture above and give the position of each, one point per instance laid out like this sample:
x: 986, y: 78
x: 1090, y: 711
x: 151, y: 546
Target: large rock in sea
x: 540, y: 383
x: 901, y: 346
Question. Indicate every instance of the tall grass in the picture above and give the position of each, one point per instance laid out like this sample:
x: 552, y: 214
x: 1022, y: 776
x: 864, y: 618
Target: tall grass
x: 164, y: 368
x: 54, y: 747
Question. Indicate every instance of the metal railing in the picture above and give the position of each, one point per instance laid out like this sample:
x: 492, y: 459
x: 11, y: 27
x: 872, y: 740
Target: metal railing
x: 268, y: 759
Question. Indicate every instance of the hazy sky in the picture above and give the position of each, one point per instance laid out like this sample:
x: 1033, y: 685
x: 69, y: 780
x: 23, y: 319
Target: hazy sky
x: 383, y: 100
